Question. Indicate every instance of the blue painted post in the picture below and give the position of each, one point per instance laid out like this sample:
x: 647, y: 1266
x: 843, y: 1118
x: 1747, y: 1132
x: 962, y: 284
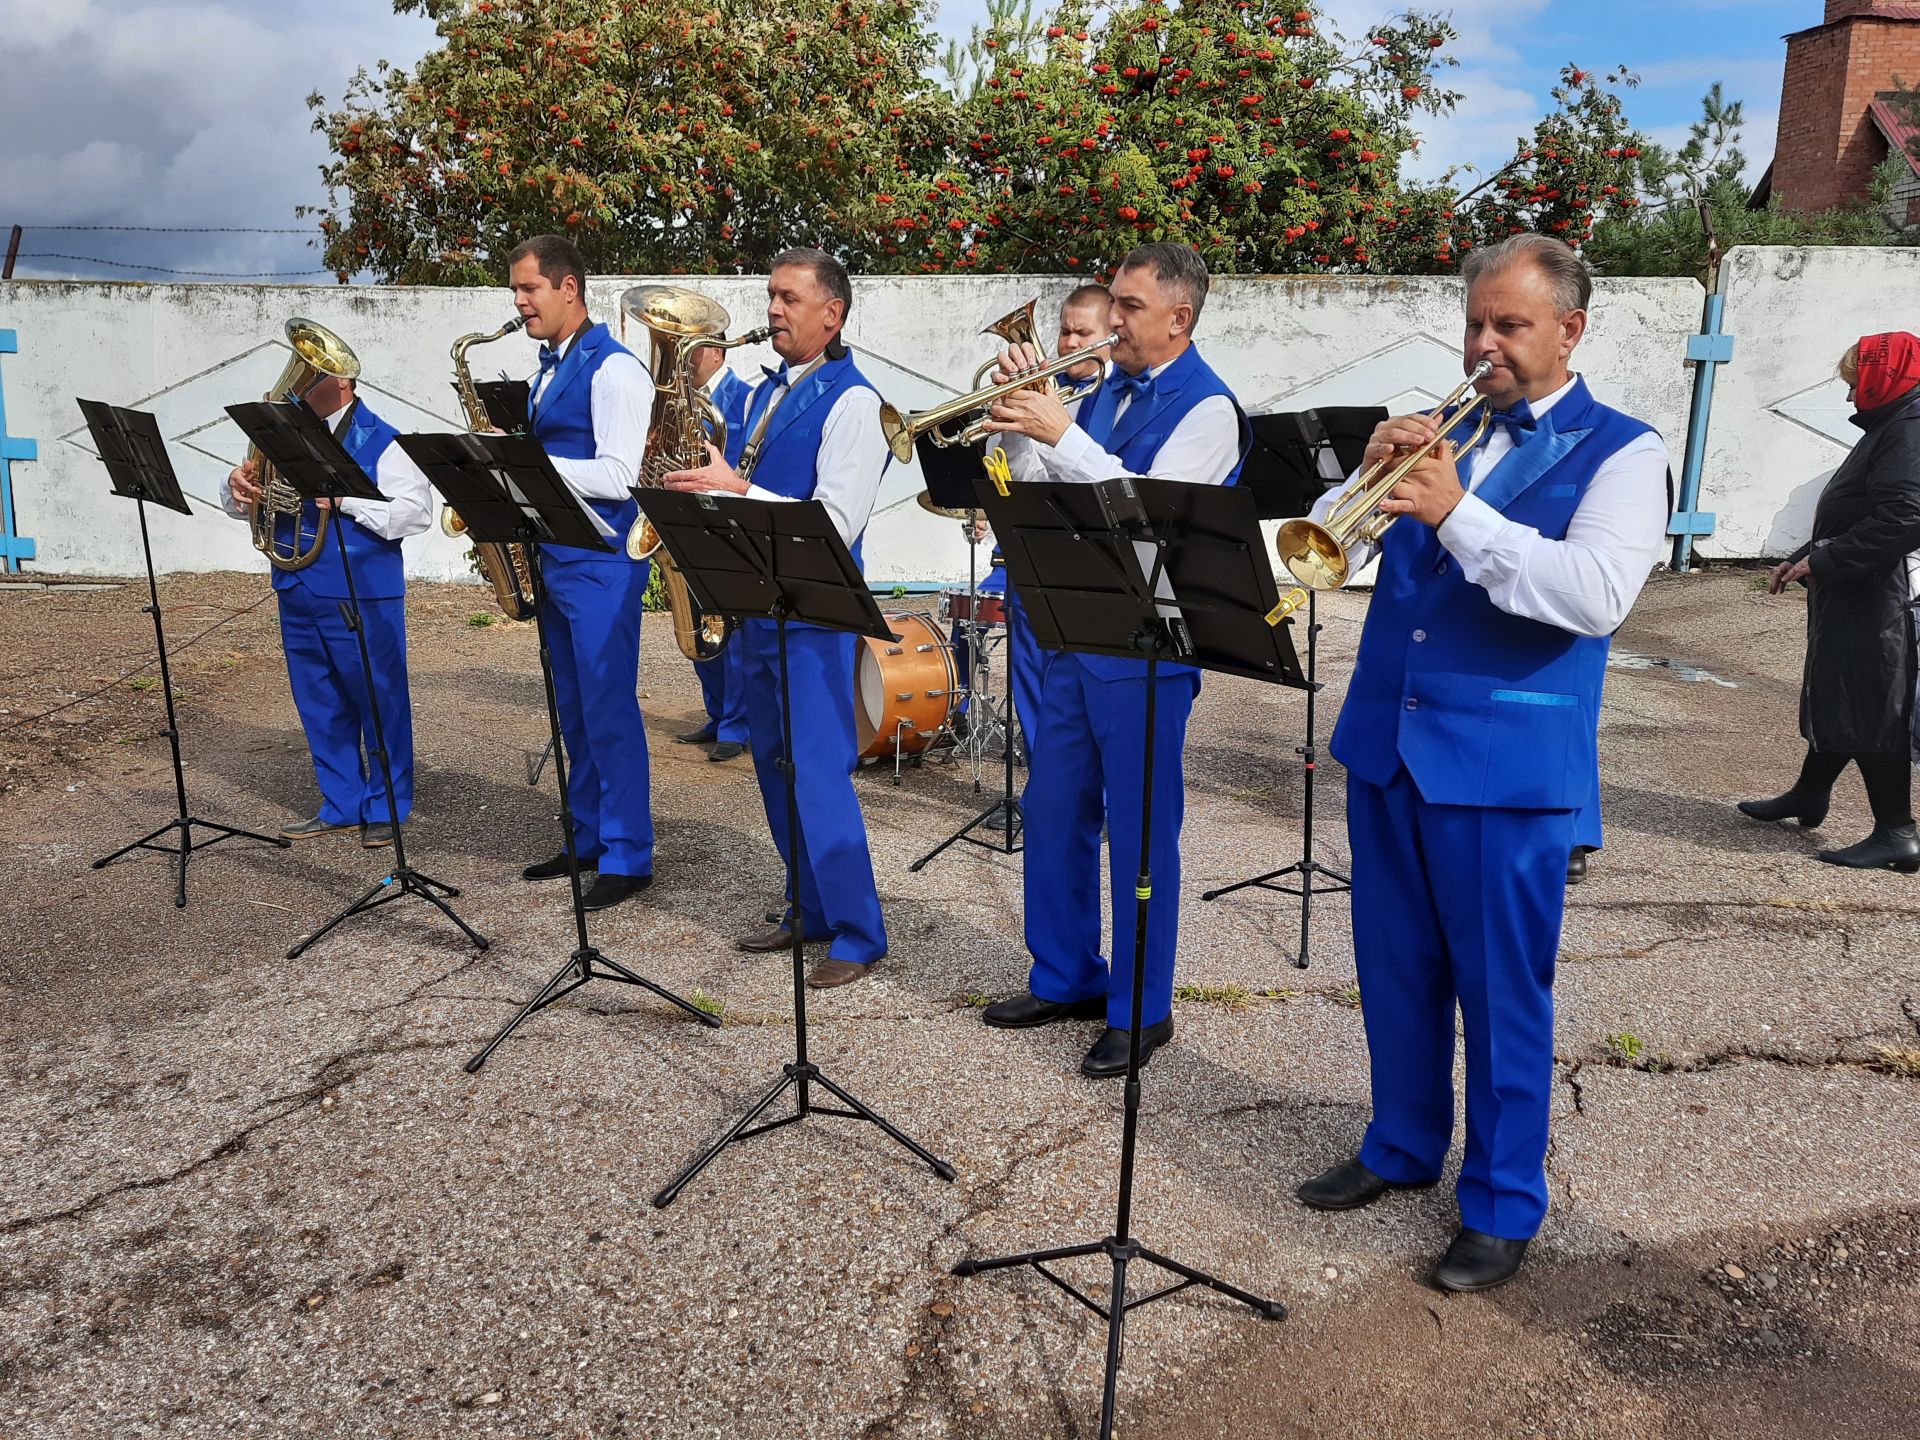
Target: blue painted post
x: 1708, y: 350
x: 13, y: 548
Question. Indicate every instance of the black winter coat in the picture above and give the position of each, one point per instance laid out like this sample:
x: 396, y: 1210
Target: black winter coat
x: 1857, y: 692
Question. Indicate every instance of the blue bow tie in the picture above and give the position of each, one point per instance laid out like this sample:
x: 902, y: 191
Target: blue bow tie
x: 778, y: 377
x: 1129, y: 387
x: 1519, y: 422
x: 549, y: 357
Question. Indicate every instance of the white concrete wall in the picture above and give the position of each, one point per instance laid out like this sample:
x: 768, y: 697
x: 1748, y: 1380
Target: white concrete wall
x: 1780, y: 414
x: 185, y: 351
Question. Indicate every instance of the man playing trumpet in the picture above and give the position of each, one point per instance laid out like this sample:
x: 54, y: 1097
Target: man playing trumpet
x: 1469, y: 737
x: 1161, y: 412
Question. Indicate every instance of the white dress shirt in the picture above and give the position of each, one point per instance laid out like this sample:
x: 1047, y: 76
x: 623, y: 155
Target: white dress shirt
x: 1204, y: 447
x: 405, y: 511
x: 853, y: 456
x: 1585, y: 583
x: 622, y: 400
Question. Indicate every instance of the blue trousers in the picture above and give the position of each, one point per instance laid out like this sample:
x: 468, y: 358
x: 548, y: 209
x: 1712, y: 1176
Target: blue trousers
x: 330, y: 692
x: 1084, y: 765
x: 593, y: 630
x: 1458, y: 905
x: 837, y: 897
x: 724, y: 694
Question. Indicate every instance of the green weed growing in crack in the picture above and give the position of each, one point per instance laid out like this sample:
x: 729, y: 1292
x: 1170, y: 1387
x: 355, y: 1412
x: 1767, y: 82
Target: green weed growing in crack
x: 479, y: 620
x: 707, y: 1004
x: 1280, y: 993
x: 1231, y: 995
x: 1350, y: 997
x: 1624, y: 1047
x: 974, y: 1000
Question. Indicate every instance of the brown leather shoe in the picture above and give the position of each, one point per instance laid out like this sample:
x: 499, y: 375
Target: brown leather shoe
x: 830, y: 973
x: 774, y: 937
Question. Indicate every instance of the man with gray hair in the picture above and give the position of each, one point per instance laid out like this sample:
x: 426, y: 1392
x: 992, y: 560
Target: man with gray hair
x: 1469, y: 735
x: 1162, y: 412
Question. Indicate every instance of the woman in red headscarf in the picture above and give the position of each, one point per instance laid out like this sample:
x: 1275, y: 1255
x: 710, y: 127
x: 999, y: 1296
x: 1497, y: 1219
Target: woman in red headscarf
x: 1857, y: 698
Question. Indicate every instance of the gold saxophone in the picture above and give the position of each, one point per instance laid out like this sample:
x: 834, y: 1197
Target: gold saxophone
x: 509, y: 567
x: 679, y: 322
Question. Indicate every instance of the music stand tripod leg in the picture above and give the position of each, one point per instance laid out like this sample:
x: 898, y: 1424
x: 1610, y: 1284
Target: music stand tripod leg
x: 800, y: 1072
x: 403, y: 880
x: 1120, y: 1247
x: 184, y: 820
x: 1008, y: 804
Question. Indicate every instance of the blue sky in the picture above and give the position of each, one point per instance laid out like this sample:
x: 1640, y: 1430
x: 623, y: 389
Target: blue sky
x: 189, y: 112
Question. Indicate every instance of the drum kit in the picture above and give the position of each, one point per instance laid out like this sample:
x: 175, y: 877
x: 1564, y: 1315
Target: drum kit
x: 909, y: 693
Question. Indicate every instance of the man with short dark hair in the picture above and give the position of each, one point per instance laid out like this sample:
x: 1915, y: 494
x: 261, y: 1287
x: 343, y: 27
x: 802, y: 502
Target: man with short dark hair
x: 1469, y: 737
x: 1162, y: 412
x: 811, y: 432
x: 590, y: 405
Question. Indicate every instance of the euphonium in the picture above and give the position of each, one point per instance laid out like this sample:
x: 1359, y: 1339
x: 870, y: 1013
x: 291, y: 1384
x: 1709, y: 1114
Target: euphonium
x: 1319, y: 553
x: 902, y: 429
x: 508, y: 568
x: 317, y: 353
x: 679, y: 322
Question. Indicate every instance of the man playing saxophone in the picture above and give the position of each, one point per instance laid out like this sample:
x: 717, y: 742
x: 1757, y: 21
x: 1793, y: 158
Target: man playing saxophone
x: 589, y: 406
x: 812, y: 431
x: 323, y: 656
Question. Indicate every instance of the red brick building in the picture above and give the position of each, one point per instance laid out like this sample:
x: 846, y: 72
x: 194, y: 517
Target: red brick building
x: 1835, y: 124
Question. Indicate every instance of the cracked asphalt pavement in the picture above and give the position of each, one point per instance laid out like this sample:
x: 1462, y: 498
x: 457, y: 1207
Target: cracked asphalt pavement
x: 243, y: 1196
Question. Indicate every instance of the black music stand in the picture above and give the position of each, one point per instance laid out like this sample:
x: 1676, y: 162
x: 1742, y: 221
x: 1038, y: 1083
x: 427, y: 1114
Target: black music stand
x: 297, y: 443
x: 508, y: 492
x: 784, y: 561
x: 136, y: 459
x: 1305, y: 453
x: 951, y: 472
x: 1147, y: 570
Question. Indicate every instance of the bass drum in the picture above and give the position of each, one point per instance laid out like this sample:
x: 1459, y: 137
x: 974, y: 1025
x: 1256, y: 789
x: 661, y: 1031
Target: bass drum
x: 905, y: 689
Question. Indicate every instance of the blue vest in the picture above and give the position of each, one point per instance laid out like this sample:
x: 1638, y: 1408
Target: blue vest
x: 1137, y: 439
x: 563, y: 424
x: 379, y: 572
x: 790, y: 450
x: 1482, y: 707
x: 730, y: 395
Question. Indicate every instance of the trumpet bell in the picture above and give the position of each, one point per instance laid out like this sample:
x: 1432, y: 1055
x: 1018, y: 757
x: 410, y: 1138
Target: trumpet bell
x: 1312, y: 555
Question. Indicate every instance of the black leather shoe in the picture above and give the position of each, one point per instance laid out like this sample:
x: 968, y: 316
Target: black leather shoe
x: 1108, y: 1057
x: 376, y: 834
x: 1889, y: 847
x: 308, y: 829
x: 1348, y: 1186
x: 1576, y: 864
x: 1809, y: 810
x: 554, y: 869
x: 703, y: 736
x: 1478, y: 1262
x: 726, y: 750
x: 609, y: 890
x: 1022, y: 1012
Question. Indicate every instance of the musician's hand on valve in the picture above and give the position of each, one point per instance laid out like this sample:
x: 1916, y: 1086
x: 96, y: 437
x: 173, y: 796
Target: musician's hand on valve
x: 1037, y: 414
x: 1429, y: 491
x: 244, y: 482
x: 1016, y: 360
x: 1399, y: 435
x: 716, y: 474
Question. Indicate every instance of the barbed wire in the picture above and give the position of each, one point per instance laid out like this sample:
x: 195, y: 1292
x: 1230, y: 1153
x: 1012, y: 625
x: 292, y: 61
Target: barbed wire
x: 185, y: 229
x: 170, y: 270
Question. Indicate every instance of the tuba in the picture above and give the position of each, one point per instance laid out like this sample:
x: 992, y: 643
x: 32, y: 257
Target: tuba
x: 317, y: 353
x: 679, y: 322
x: 508, y: 568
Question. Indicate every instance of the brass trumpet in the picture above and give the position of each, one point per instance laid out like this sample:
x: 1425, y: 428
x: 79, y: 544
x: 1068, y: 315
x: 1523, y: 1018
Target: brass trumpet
x: 1318, y: 553
x: 902, y: 430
